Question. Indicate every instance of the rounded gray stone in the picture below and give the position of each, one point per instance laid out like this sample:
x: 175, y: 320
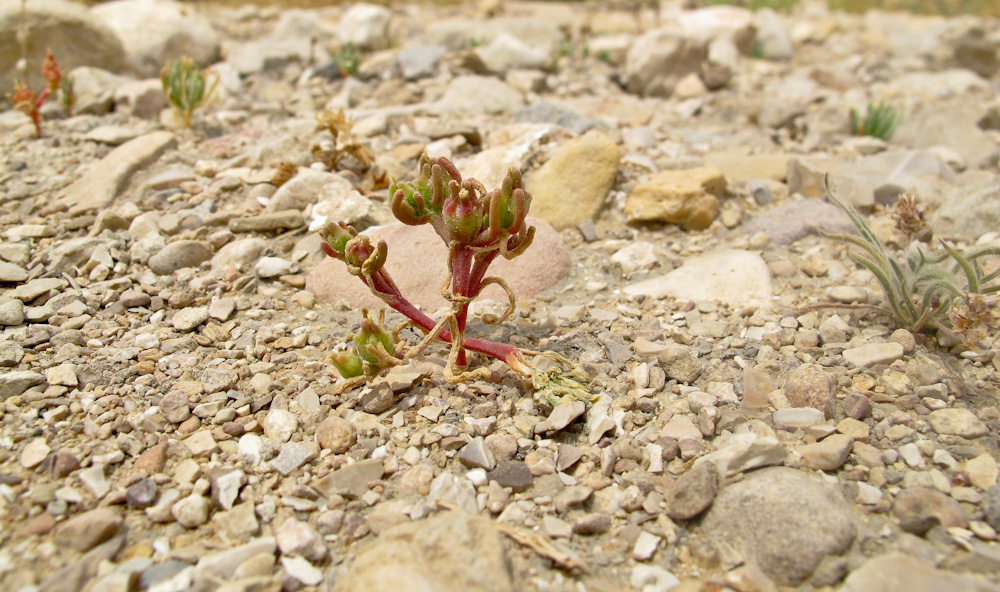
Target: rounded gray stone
x: 783, y: 520
x: 179, y: 254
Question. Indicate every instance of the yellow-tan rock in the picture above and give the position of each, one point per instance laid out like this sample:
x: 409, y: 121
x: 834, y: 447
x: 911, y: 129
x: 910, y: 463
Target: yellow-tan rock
x: 572, y: 185
x: 688, y: 198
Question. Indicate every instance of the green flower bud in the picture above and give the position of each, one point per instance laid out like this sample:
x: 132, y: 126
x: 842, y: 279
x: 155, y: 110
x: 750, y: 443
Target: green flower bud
x: 372, y: 333
x: 347, y: 364
x: 336, y: 236
x: 463, y: 214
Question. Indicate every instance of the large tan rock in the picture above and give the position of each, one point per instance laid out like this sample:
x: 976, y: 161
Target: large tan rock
x: 157, y: 31
x: 450, y: 552
x: 75, y: 36
x: 417, y: 262
x: 688, y: 198
x: 572, y: 185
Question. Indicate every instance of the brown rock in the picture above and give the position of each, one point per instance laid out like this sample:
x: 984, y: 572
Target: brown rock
x: 543, y: 265
x: 809, y: 386
x: 857, y: 406
x: 89, y: 529
x: 693, y: 492
x: 688, y: 198
x: 153, y: 460
x: 829, y: 454
x: 918, y: 509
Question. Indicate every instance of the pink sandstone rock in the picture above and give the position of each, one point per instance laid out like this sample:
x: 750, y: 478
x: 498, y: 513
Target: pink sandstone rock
x: 418, y: 263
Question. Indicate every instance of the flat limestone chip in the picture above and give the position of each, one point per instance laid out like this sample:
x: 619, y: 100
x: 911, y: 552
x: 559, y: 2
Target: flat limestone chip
x: 734, y: 277
x: 105, y: 180
x: 957, y: 422
x: 353, y: 479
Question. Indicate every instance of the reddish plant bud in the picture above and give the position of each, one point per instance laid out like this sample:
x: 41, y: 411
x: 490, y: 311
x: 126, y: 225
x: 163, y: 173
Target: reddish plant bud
x: 51, y: 72
x: 463, y: 214
x: 336, y: 236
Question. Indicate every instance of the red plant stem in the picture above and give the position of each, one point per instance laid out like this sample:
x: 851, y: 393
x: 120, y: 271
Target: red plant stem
x: 36, y: 115
x: 390, y: 295
x: 461, y: 285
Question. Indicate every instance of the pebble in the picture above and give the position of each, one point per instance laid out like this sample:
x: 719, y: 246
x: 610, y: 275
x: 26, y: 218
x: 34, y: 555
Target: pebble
x: 562, y: 415
x: 982, y: 471
x: 513, y: 474
x: 645, y: 546
x: 291, y: 456
x: 918, y: 509
x: 222, y: 308
x: 34, y: 453
x: 298, y: 539
x: 225, y: 483
x: 693, y: 492
x: 475, y: 455
x: 957, y: 422
x: 280, y: 424
x: 288, y: 219
x: 178, y: 255
x: 796, y: 418
x: 188, y: 319
x: 11, y: 313
x: 798, y: 520
x: 191, y: 511
x: 302, y: 570
x: 652, y: 578
x: 872, y: 354
x: 141, y: 494
x: 10, y: 272
x: 335, y: 434
x: 828, y: 454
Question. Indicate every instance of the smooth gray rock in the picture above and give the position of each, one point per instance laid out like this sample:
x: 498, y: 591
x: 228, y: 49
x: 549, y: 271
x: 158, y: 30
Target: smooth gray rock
x: 179, y: 254
x: 793, y: 220
x: 783, y: 520
x: 419, y: 61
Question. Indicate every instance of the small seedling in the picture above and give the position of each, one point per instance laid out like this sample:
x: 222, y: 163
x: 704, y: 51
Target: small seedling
x: 187, y: 87
x: 27, y: 102
x: 945, y: 289
x: 347, y: 59
x: 339, y: 126
x: 477, y: 226
x: 880, y: 121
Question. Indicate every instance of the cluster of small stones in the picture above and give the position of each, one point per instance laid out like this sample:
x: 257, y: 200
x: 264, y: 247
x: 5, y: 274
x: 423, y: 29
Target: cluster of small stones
x: 169, y: 421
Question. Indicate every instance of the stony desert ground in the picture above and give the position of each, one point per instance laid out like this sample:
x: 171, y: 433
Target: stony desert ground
x: 169, y: 419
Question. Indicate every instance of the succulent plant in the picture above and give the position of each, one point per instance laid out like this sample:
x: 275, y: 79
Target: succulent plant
x: 880, y: 121
x: 187, y: 87
x: 28, y: 102
x: 477, y: 226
